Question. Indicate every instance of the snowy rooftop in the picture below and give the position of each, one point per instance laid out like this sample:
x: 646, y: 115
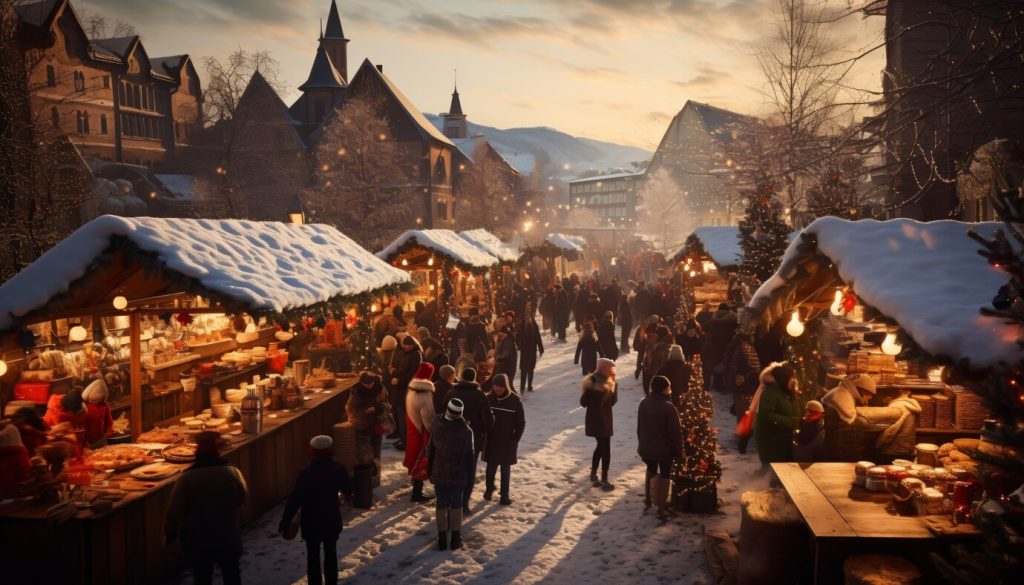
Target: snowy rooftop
x: 443, y: 242
x: 490, y: 244
x: 622, y: 175
x: 263, y: 265
x: 567, y: 242
x: 927, y: 277
x: 720, y: 243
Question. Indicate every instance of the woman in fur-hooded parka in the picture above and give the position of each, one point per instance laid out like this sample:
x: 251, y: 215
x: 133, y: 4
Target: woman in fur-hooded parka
x: 774, y: 418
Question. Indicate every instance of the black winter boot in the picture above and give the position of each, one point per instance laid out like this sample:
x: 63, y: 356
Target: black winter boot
x: 593, y: 477
x: 417, y: 492
x: 489, y: 492
x: 442, y: 540
x: 456, y: 540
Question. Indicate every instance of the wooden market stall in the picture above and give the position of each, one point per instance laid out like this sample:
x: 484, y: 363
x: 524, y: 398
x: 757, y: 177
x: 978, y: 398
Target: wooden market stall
x: 507, y: 256
x: 898, y: 302
x: 561, y: 254
x: 446, y: 270
x: 177, y: 306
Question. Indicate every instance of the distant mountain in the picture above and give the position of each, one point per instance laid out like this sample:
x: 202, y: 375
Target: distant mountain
x: 522, y: 147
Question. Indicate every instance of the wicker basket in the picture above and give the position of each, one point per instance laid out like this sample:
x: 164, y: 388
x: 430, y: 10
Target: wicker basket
x: 944, y: 411
x: 970, y: 410
x: 927, y: 417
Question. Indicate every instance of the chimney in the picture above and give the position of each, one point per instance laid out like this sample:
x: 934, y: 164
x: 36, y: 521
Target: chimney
x: 380, y: 68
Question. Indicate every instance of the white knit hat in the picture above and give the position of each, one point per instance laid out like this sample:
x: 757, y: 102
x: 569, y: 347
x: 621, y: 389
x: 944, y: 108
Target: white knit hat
x: 455, y: 407
x: 321, y: 443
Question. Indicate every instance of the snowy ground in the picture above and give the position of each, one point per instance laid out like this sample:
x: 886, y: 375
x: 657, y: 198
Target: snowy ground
x: 558, y: 530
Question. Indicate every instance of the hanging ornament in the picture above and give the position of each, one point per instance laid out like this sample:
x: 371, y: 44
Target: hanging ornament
x: 184, y: 317
x: 795, y: 327
x: 849, y: 302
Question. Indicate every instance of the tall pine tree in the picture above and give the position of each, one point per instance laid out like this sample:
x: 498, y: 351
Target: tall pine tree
x: 763, y: 234
x: 698, y: 470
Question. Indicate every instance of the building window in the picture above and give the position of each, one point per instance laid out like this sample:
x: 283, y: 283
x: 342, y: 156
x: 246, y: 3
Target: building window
x: 145, y: 98
x: 442, y: 210
x: 55, y: 117
x: 103, y: 123
x: 51, y: 76
x: 79, y: 81
x: 130, y: 94
x: 79, y: 127
x: 85, y: 121
x: 121, y: 94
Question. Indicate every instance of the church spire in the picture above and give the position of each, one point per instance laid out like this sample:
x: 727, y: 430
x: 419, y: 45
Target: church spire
x: 455, y: 125
x: 456, y: 107
x: 333, y: 41
x: 334, y: 31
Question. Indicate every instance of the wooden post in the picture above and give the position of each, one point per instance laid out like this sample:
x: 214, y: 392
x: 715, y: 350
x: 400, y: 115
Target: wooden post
x: 135, y: 371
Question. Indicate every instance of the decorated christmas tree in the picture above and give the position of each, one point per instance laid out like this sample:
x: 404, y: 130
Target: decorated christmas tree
x: 835, y: 193
x: 763, y: 234
x: 695, y: 475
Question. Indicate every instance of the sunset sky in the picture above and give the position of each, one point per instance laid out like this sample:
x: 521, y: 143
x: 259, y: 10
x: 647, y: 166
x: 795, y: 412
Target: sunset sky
x: 614, y: 70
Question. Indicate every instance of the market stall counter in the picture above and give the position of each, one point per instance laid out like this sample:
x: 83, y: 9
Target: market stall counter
x: 847, y: 519
x: 123, y: 543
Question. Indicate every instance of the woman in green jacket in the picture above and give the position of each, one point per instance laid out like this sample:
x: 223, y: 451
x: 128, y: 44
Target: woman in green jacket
x: 774, y: 419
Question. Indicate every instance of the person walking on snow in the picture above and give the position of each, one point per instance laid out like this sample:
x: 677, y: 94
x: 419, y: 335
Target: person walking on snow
x: 477, y: 413
x: 419, y: 417
x: 598, y: 397
x: 317, y: 495
x: 531, y: 343
x: 506, y: 355
x: 589, y: 348
x: 450, y: 456
x: 659, y: 441
x: 503, y: 438
x: 606, y: 336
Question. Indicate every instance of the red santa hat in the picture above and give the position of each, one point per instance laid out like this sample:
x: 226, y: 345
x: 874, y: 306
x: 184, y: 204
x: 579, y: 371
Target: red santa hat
x: 421, y: 380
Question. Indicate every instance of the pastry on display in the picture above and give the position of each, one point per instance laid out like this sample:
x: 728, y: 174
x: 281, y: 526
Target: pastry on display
x: 117, y: 457
x: 158, y: 435
x: 183, y: 453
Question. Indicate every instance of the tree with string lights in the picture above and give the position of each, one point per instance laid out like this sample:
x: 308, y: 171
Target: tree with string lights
x: 696, y: 473
x: 763, y: 234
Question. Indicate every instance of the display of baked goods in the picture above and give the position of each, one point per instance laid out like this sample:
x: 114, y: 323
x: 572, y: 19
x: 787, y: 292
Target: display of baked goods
x: 117, y: 457
x: 155, y: 471
x: 158, y: 435
x: 183, y: 453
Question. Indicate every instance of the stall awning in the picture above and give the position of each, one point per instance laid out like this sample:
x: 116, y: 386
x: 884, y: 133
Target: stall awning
x: 490, y: 244
x: 566, y: 242
x: 444, y: 243
x: 720, y: 244
x: 255, y: 266
x: 927, y: 278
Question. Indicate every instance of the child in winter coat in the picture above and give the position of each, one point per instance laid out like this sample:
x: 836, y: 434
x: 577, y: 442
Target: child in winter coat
x: 98, y: 421
x: 811, y: 433
x: 589, y: 348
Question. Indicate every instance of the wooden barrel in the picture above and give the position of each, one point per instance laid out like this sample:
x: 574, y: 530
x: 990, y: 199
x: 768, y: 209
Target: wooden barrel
x: 772, y: 538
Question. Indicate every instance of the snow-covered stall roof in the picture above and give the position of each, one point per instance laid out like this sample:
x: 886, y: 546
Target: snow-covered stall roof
x: 926, y: 277
x: 720, y: 243
x: 260, y: 265
x: 442, y: 242
x: 567, y: 242
x: 490, y: 244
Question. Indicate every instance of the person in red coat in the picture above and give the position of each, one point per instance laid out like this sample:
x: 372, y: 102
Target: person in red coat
x: 419, y: 418
x: 14, y: 462
x: 98, y: 421
x: 69, y: 408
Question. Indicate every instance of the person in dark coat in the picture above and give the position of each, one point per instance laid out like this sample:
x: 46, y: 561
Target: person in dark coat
x: 742, y: 368
x: 367, y: 401
x: 599, y: 395
x: 606, y: 336
x: 427, y: 316
x: 642, y: 302
x: 451, y: 455
x: 445, y: 382
x: 561, y: 312
x: 703, y: 317
x: 547, y: 312
x: 588, y: 348
x: 720, y: 331
x: 476, y: 335
x: 317, y: 495
x: 503, y: 439
x: 659, y: 441
x: 626, y: 321
x: 506, y: 356
x: 594, y: 307
x: 408, y: 361
x: 656, y: 354
x: 691, y: 339
x: 677, y: 372
x: 203, y: 513
x: 433, y: 352
x: 477, y: 413
x: 774, y: 418
x: 531, y: 347
x: 645, y: 334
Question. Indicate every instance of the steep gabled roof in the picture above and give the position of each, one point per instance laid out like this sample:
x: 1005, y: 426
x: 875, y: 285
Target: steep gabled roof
x: 426, y: 130
x: 323, y: 74
x: 37, y: 13
x: 333, y: 30
x: 259, y: 91
x: 119, y: 47
x: 169, y: 65
x: 467, y: 147
x: 442, y: 242
x: 720, y: 123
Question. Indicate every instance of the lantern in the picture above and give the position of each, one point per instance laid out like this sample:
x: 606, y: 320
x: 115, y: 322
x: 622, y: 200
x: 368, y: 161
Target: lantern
x: 3, y: 367
x: 77, y: 333
x: 795, y: 327
x: 120, y: 303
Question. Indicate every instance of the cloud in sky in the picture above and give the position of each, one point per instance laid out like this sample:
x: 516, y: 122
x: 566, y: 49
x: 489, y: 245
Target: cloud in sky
x: 605, y: 69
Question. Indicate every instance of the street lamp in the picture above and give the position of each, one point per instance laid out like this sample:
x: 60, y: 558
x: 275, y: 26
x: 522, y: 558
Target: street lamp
x: 296, y: 212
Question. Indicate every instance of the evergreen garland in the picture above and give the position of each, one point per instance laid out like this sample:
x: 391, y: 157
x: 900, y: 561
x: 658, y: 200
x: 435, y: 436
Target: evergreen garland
x: 699, y: 467
x: 763, y: 234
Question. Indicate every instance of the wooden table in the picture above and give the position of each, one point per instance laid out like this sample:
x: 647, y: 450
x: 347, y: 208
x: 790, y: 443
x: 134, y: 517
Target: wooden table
x: 845, y: 519
x: 125, y: 544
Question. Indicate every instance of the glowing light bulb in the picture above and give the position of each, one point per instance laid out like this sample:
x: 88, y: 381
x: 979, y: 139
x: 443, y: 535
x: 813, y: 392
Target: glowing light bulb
x: 890, y: 346
x: 3, y: 367
x: 693, y: 273
x: 405, y: 262
x: 77, y: 333
x: 795, y: 327
x: 373, y: 308
x: 120, y: 303
x: 837, y: 304
x: 430, y: 262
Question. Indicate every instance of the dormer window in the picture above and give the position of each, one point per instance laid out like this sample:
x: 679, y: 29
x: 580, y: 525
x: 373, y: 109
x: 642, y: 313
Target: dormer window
x: 51, y: 76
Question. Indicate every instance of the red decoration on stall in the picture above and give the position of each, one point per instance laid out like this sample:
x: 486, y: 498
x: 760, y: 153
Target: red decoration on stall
x: 184, y: 317
x: 849, y: 302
